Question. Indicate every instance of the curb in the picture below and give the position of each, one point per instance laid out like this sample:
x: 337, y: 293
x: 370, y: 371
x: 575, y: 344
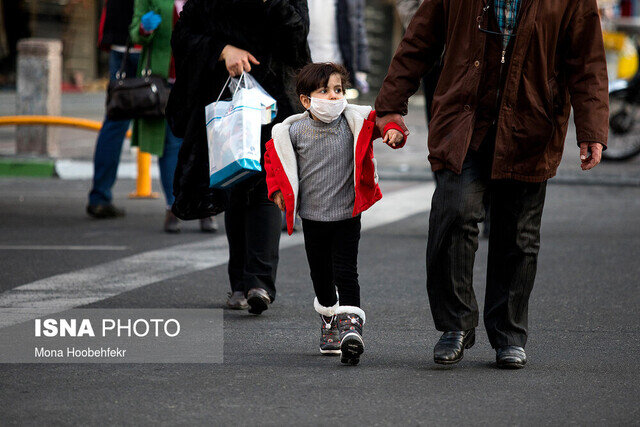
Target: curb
x: 27, y: 167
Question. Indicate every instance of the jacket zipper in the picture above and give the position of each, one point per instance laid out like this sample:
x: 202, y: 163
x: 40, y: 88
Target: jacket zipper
x: 502, y: 62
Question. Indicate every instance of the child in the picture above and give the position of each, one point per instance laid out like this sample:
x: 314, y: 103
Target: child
x: 320, y: 163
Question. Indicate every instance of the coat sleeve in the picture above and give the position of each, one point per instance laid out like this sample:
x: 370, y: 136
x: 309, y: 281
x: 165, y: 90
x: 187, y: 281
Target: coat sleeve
x: 587, y: 80
x: 417, y: 53
x: 272, y: 182
x: 196, y: 50
x: 140, y: 7
x: 195, y: 39
x: 364, y: 64
x: 290, y: 23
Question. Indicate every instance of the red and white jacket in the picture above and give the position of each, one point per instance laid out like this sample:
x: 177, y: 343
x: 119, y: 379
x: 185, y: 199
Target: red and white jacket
x: 282, y: 168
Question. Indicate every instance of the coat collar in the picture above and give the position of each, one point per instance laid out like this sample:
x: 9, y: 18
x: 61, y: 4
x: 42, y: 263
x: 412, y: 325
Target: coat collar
x: 353, y: 114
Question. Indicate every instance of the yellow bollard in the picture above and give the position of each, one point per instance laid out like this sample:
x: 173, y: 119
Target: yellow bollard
x: 143, y: 181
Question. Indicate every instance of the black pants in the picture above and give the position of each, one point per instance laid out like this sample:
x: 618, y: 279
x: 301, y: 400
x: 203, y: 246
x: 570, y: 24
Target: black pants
x: 514, y: 240
x: 332, y: 251
x: 252, y: 224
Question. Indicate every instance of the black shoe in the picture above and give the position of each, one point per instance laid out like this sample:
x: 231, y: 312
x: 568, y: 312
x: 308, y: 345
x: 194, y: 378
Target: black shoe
x: 350, y: 323
x: 511, y: 357
x: 104, y: 211
x: 258, y: 300
x: 451, y: 345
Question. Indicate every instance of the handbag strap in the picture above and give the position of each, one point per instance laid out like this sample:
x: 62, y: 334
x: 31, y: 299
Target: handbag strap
x: 146, y: 71
x: 121, y: 74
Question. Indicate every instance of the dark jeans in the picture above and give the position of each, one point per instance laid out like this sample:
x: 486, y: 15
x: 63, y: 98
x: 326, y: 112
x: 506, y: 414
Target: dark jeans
x: 514, y: 240
x: 332, y: 252
x: 110, y: 138
x: 252, y: 223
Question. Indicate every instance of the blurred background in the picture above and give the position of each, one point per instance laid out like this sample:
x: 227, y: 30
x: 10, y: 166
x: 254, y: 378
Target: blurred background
x: 85, y: 66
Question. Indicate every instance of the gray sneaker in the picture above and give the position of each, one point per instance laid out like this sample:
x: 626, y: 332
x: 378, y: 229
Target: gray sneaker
x: 171, y: 223
x: 237, y: 301
x: 209, y: 224
x: 330, y: 337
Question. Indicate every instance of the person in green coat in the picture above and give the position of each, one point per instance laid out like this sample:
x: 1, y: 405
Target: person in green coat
x: 151, y: 27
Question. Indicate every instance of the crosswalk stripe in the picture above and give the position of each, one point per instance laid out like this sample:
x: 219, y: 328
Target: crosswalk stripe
x: 62, y: 248
x: 69, y: 290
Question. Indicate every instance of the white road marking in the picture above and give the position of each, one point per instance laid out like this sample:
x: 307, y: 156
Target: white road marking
x: 69, y: 290
x: 61, y: 248
x: 79, y: 169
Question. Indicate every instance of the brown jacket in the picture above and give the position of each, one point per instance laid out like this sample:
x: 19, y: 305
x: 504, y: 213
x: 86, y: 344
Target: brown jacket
x: 558, y: 57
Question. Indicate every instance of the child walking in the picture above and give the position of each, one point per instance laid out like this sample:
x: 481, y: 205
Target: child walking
x: 320, y: 164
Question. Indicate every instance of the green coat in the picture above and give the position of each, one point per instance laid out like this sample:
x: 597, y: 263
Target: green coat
x: 149, y: 134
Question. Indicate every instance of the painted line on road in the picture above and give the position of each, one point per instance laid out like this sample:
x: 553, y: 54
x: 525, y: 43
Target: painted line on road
x: 69, y: 290
x: 61, y: 248
x: 83, y: 169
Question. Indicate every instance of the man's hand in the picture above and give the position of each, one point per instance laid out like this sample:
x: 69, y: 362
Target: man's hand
x: 278, y: 199
x: 237, y: 60
x: 590, y: 161
x: 393, y: 138
x: 381, y: 123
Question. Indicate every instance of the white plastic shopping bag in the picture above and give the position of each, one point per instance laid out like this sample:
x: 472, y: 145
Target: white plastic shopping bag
x: 269, y: 106
x: 233, y: 135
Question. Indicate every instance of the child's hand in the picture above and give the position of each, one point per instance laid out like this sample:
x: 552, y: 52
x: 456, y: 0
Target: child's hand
x: 393, y: 137
x: 278, y: 199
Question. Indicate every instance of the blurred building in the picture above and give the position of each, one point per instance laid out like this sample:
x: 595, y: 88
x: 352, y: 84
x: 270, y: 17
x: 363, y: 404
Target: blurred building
x: 75, y: 22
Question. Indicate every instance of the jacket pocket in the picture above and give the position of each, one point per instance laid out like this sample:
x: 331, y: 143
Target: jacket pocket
x: 533, y: 127
x: 558, y: 103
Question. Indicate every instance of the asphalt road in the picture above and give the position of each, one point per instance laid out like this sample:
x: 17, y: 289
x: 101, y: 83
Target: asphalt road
x: 583, y: 347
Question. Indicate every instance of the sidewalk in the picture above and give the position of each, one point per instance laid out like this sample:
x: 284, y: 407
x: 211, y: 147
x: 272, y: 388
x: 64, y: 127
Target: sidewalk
x: 410, y: 163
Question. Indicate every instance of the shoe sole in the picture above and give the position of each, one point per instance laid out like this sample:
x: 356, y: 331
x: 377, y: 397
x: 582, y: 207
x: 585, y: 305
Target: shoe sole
x: 103, y: 216
x: 257, y: 305
x: 467, y: 346
x: 209, y: 230
x: 351, y: 348
x: 237, y: 307
x: 330, y: 352
x: 510, y: 365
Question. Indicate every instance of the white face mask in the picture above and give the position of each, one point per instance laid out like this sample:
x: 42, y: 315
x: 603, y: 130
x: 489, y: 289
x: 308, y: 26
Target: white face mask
x: 327, y: 110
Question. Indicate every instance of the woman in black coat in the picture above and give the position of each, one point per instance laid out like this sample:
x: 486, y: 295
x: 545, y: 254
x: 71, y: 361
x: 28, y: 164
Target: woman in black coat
x: 212, y: 40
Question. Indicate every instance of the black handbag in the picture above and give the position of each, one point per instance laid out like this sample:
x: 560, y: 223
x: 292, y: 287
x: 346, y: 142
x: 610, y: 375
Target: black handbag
x: 143, y: 97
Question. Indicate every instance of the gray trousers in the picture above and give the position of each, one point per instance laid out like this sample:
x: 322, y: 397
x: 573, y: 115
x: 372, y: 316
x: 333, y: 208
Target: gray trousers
x: 514, y: 240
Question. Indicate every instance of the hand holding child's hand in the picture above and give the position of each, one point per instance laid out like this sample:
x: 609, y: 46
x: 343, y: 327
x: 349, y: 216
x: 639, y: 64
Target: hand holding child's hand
x: 393, y: 137
x: 278, y: 199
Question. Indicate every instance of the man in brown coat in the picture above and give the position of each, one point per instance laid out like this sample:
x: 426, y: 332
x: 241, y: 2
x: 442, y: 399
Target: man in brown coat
x: 512, y: 70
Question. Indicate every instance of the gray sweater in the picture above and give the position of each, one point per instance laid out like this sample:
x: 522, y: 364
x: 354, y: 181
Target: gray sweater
x: 324, y: 153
